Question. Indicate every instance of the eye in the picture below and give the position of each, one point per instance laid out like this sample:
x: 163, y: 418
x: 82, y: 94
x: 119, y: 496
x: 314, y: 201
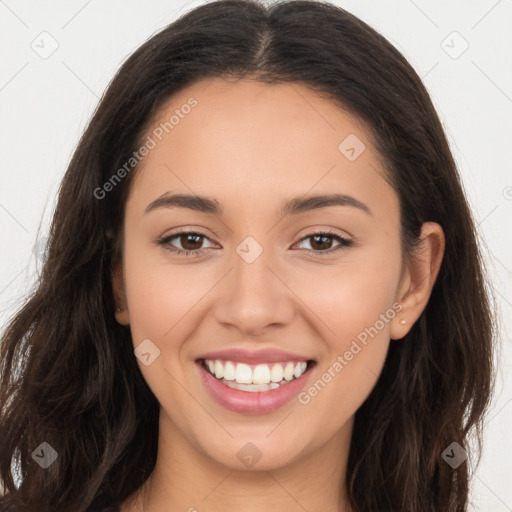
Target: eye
x: 189, y: 240
x: 320, y: 241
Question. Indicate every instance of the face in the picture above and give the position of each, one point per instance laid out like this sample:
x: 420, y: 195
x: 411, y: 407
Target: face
x: 260, y: 285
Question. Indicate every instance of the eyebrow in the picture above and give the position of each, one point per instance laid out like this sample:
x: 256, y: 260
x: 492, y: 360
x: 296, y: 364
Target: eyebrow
x: 293, y: 206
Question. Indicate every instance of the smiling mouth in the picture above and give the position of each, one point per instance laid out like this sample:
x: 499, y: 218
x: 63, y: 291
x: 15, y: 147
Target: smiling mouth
x: 255, y: 378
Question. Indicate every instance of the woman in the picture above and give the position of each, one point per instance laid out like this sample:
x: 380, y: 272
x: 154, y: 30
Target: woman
x: 262, y: 290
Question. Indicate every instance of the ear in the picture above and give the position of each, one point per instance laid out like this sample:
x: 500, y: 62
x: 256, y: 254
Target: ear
x: 421, y: 271
x: 123, y: 315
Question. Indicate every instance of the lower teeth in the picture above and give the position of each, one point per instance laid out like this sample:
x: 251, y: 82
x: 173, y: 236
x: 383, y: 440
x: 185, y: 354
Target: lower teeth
x: 254, y: 387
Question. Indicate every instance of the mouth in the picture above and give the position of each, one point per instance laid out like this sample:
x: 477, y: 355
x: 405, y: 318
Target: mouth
x: 254, y: 388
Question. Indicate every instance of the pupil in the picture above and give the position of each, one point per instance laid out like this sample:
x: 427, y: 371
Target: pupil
x: 323, y: 245
x: 186, y: 243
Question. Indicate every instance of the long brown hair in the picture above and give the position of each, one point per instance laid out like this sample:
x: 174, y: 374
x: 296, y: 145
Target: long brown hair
x: 68, y: 373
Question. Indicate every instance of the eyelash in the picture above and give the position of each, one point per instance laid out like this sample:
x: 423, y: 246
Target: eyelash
x: 344, y: 242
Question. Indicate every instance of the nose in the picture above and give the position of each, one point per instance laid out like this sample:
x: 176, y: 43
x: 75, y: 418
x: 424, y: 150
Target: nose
x: 254, y: 295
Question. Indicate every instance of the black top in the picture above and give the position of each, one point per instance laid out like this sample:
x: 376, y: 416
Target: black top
x: 112, y: 508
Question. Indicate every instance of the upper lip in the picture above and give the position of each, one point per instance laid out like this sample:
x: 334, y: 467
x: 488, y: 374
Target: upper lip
x: 254, y: 356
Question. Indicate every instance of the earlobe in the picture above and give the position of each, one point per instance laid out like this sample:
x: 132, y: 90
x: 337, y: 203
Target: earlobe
x: 123, y: 317
x: 421, y: 273
x: 121, y: 310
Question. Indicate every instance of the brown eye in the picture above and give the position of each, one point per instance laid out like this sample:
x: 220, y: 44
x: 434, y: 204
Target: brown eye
x: 190, y: 242
x: 322, y: 242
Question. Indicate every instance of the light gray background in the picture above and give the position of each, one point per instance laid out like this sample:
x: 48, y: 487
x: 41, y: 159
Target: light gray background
x: 47, y: 102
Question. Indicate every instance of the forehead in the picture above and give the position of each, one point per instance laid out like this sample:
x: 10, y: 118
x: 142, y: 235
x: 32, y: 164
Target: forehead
x: 257, y: 120
x: 248, y: 138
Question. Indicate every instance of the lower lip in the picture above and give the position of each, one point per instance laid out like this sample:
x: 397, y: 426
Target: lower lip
x: 248, y: 402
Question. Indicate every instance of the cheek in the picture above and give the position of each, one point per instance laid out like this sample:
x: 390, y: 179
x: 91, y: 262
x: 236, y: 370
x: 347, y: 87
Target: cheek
x: 159, y: 294
x: 357, y: 304
x: 350, y: 296
x: 162, y: 300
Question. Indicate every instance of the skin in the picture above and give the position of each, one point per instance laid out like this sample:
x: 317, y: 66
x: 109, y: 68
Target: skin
x: 252, y: 146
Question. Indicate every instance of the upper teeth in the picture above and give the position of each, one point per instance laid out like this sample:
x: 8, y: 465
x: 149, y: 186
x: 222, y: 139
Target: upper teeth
x: 259, y: 374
